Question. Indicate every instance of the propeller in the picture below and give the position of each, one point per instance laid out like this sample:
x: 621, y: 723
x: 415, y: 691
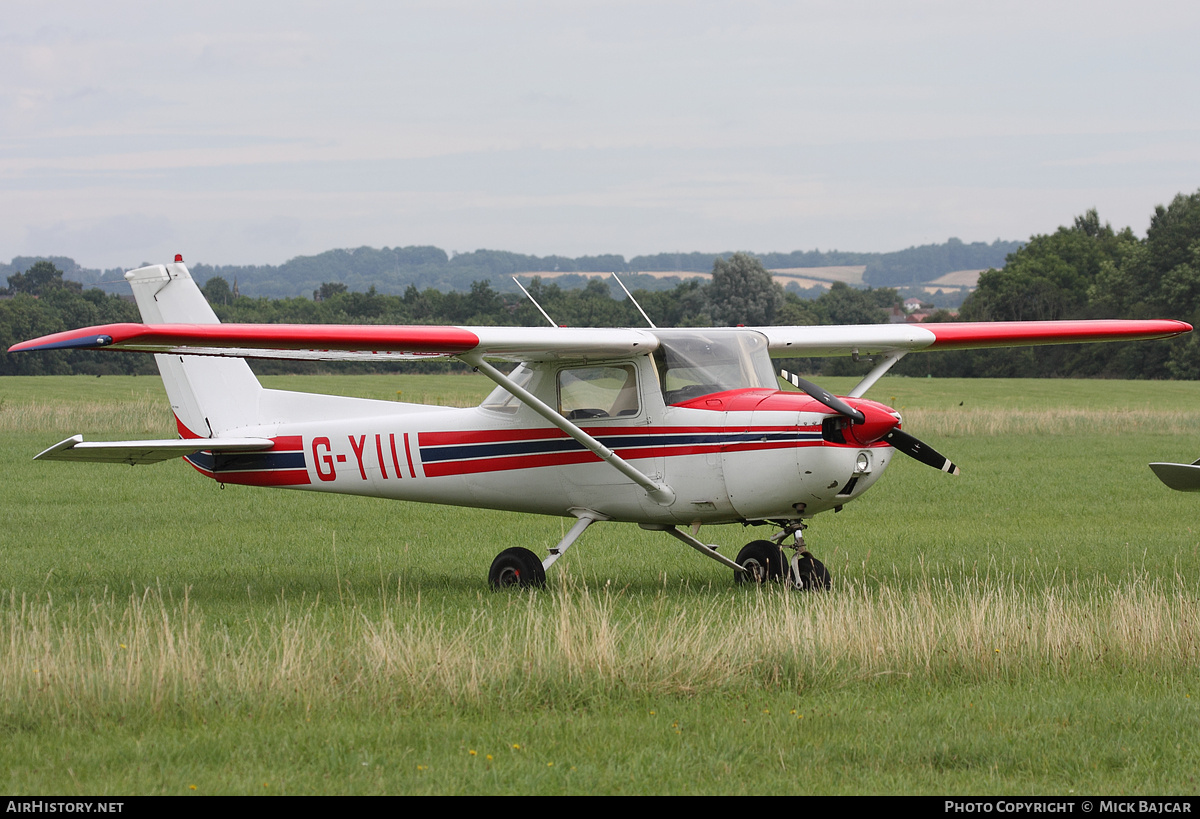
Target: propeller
x: 825, y: 397
x: 898, y: 439
x: 924, y: 453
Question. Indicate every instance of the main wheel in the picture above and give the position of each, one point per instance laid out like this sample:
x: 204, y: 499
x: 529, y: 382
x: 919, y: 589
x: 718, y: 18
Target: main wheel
x: 516, y: 567
x: 762, y: 560
x: 811, y: 574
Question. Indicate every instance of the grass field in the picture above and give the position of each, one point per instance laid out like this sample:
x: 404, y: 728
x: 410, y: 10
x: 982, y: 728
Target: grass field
x: 1032, y: 626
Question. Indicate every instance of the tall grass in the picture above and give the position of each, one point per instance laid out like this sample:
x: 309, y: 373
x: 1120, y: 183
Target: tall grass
x: 578, y: 644
x: 1030, y: 626
x: 1065, y: 420
x: 144, y: 415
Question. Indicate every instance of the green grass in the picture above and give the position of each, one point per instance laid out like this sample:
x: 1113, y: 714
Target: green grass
x: 1031, y: 626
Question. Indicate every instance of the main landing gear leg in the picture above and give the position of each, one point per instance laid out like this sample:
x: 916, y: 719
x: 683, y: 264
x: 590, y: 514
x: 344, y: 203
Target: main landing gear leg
x: 762, y: 560
x: 520, y: 567
x: 690, y: 540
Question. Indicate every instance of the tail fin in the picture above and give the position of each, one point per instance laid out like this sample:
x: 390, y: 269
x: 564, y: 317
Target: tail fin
x: 209, y: 396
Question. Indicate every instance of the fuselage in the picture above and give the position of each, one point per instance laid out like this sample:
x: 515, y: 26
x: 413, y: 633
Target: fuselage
x: 742, y: 453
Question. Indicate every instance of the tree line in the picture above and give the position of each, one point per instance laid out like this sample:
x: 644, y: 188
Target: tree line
x: 41, y: 301
x: 1089, y: 270
x: 1084, y: 270
x: 392, y: 270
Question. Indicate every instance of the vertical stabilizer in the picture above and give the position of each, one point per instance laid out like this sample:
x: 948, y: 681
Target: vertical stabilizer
x: 209, y: 396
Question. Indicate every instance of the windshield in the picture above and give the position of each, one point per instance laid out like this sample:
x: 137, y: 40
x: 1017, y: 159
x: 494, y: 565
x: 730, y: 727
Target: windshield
x: 500, y: 399
x: 696, y: 363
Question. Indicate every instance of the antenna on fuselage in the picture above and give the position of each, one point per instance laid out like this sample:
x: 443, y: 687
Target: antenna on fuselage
x: 653, y: 326
x: 535, y: 304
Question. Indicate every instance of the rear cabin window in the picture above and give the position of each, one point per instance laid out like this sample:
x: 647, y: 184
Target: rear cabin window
x: 608, y: 391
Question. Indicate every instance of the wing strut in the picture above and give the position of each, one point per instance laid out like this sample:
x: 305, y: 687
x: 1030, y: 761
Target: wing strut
x: 876, y: 373
x: 660, y: 493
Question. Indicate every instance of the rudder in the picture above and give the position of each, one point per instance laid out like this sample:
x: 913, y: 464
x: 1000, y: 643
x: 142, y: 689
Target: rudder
x: 208, y: 395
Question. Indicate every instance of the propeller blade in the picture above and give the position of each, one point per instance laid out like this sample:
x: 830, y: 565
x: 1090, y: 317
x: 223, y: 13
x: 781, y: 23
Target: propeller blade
x: 924, y: 453
x: 825, y: 397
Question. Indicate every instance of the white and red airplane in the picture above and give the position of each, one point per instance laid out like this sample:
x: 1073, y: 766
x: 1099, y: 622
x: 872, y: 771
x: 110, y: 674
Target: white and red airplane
x: 1180, y: 477
x: 669, y: 429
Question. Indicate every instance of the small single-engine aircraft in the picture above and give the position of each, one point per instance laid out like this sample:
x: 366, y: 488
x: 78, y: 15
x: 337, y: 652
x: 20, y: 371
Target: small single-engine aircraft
x: 1181, y: 477
x: 663, y: 428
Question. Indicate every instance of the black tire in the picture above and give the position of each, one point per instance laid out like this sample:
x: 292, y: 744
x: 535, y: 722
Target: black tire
x: 763, y: 561
x: 516, y: 567
x: 812, y: 574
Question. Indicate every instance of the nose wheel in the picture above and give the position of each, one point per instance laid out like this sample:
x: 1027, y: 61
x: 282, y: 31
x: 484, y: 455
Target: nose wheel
x: 763, y: 561
x: 808, y: 573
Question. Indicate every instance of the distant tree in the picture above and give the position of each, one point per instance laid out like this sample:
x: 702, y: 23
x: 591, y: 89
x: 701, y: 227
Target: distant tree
x: 40, y: 278
x: 1160, y: 276
x: 1051, y: 277
x: 844, y: 304
x: 328, y: 290
x: 743, y: 292
x: 217, y: 291
x: 796, y: 312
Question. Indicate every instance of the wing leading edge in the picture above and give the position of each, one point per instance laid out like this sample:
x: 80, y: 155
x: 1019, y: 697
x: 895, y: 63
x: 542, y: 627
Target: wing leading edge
x: 341, y: 342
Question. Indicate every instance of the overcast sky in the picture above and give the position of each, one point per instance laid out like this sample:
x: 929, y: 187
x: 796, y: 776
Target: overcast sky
x: 253, y: 132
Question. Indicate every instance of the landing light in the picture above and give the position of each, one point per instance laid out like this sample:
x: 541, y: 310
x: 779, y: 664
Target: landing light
x: 862, y: 464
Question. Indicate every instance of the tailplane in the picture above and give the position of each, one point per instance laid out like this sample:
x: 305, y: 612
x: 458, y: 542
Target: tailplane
x: 209, y: 396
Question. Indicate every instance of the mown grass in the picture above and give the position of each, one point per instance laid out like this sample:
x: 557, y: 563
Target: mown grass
x: 1030, y: 627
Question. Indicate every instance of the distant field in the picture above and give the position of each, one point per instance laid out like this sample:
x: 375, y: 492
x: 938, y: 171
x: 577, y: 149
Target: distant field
x: 802, y: 276
x: 957, y: 278
x: 808, y: 276
x: 1032, y: 626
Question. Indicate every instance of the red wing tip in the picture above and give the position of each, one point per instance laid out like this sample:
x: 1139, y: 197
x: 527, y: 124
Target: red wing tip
x: 1019, y: 333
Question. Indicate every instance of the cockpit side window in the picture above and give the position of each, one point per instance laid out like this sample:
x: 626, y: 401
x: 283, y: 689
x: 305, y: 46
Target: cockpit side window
x: 601, y: 391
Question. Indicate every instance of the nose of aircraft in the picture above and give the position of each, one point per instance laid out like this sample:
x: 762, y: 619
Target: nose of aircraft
x: 878, y: 421
x: 866, y: 422
x: 882, y: 423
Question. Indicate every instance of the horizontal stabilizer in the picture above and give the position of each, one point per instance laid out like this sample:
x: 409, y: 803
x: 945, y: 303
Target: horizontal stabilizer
x: 146, y: 452
x: 1181, y: 477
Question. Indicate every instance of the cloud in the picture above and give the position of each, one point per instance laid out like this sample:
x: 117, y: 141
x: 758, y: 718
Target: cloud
x: 120, y: 236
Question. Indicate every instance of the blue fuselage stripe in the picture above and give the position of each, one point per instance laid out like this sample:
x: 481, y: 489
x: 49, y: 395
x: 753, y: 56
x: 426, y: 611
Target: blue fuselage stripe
x: 247, y: 461
x: 456, y: 452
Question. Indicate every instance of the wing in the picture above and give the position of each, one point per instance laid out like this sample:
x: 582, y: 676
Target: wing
x: 348, y: 342
x: 872, y: 339
x: 341, y: 342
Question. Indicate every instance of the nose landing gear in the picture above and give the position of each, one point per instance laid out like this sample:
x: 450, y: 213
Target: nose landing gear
x: 763, y: 561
